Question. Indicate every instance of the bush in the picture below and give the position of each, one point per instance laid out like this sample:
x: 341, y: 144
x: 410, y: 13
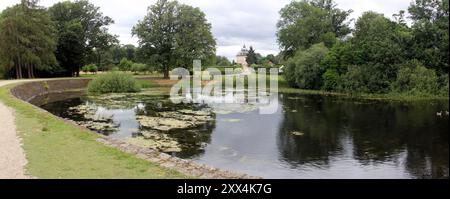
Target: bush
x: 305, y: 70
x: 90, y: 68
x: 114, y: 83
x: 146, y: 84
x: 330, y: 80
x: 93, y: 68
x: 415, y: 79
x: 444, y: 88
x: 125, y: 64
x: 137, y: 68
x: 85, y: 69
x: 354, y: 80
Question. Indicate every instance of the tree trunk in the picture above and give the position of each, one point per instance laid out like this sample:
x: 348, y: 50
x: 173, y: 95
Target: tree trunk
x: 29, y: 71
x: 32, y: 71
x: 20, y: 70
x: 166, y: 72
x: 17, y: 70
x: 78, y: 72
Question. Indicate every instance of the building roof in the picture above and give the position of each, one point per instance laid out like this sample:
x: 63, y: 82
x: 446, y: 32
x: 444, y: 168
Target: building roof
x: 243, y: 52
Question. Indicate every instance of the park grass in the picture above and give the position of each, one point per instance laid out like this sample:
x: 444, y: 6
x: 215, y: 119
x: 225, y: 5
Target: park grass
x: 144, y: 84
x: 56, y: 149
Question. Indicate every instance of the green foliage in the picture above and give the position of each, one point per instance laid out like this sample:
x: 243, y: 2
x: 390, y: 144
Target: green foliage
x: 430, y: 31
x: 85, y: 68
x: 139, y: 68
x: 354, y: 81
x: 27, y: 39
x: 444, y: 85
x: 93, y: 68
x: 144, y: 84
x: 222, y: 61
x: 114, y: 82
x: 117, y: 52
x: 331, y: 80
x: 125, y: 65
x: 305, y: 70
x: 90, y: 68
x: 2, y: 73
x: 308, y: 22
x: 378, y: 43
x: 340, y: 57
x: 251, y: 56
x: 56, y: 149
x: 173, y: 35
x: 82, y: 34
x: 414, y: 78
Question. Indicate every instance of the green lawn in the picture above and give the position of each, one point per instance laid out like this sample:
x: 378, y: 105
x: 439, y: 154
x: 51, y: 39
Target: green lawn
x: 56, y: 149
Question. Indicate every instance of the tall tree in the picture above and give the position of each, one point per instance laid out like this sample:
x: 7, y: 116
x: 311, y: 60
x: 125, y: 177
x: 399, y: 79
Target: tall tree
x: 308, y: 22
x: 379, y: 42
x: 81, y: 29
x: 430, y: 30
x: 130, y: 52
x: 222, y: 61
x: 27, y: 38
x: 174, y: 34
x: 252, y: 57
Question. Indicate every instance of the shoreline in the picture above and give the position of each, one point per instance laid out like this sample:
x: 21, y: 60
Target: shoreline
x: 185, y: 167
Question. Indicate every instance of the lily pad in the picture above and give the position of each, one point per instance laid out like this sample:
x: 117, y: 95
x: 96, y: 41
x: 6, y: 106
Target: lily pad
x: 297, y: 133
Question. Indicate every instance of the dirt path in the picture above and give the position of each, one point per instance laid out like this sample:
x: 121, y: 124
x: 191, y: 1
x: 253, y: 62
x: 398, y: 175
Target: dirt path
x: 12, y: 156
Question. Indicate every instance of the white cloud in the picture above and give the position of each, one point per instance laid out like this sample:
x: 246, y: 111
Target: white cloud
x: 234, y: 22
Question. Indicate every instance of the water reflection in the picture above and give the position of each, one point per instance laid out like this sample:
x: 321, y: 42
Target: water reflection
x: 378, y: 134
x: 309, y: 136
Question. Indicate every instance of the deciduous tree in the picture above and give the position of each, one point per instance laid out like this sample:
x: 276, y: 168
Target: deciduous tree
x: 173, y: 35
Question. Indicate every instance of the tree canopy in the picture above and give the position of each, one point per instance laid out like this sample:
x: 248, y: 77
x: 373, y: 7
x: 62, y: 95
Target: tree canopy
x: 27, y: 39
x: 82, y: 30
x: 308, y: 22
x: 174, y: 34
x: 382, y: 55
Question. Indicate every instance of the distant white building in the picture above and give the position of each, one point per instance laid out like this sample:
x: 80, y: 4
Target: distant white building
x: 241, y: 58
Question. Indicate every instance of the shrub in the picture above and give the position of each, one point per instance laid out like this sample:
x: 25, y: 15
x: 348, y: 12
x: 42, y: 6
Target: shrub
x: 330, y: 80
x: 114, y: 83
x: 85, y: 68
x: 89, y: 68
x: 109, y: 67
x: 414, y: 78
x: 125, y: 64
x: 137, y: 68
x: 146, y: 84
x: 93, y: 68
x: 354, y: 80
x: 305, y: 69
x: 444, y: 88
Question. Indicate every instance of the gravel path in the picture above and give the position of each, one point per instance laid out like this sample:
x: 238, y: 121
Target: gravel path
x: 12, y: 156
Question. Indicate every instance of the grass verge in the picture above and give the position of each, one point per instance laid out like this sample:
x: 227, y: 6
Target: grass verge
x: 59, y: 150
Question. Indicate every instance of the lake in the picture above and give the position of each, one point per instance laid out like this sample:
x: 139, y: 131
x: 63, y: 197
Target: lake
x: 309, y: 137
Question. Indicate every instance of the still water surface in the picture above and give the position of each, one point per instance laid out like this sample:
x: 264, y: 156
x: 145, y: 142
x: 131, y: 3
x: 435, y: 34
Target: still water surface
x: 308, y: 137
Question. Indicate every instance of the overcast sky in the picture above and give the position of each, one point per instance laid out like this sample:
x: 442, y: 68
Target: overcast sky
x: 234, y: 22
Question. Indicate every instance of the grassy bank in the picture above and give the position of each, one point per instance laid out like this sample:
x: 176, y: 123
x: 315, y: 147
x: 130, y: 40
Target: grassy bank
x: 56, y: 149
x: 285, y: 88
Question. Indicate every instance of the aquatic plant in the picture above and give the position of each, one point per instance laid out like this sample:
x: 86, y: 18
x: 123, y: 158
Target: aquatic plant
x: 114, y: 82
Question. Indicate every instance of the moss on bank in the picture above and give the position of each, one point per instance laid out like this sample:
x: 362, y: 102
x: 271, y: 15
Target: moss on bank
x: 56, y: 149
